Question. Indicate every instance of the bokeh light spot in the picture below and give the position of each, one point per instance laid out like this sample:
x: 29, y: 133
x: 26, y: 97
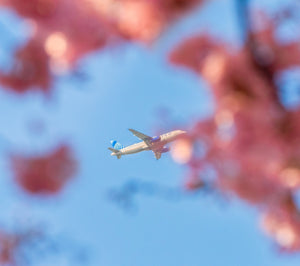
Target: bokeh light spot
x: 56, y: 45
x: 181, y: 151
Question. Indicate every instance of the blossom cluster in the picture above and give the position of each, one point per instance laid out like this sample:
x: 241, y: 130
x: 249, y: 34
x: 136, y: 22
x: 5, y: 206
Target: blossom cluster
x: 44, y: 174
x: 252, y: 141
x: 63, y: 31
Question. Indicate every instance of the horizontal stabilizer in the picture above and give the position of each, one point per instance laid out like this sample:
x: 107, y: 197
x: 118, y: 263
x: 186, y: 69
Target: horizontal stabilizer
x: 113, y: 150
x: 116, y: 152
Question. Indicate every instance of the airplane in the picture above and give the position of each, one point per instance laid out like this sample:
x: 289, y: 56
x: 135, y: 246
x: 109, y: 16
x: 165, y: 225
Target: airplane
x: 156, y: 144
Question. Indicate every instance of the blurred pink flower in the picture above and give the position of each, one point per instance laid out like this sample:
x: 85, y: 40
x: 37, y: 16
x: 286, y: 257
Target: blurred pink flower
x: 30, y: 70
x: 46, y: 174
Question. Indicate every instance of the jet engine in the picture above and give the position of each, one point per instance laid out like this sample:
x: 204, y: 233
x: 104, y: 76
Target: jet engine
x: 155, y: 139
x: 165, y: 149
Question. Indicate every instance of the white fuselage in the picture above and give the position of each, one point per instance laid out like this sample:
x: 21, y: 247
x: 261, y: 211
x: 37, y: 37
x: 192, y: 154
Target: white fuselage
x: 155, y: 146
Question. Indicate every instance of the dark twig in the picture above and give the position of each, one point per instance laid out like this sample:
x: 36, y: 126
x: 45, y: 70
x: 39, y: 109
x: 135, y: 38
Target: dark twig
x: 258, y: 52
x: 243, y: 18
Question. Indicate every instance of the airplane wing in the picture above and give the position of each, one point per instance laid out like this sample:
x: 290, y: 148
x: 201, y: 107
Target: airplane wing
x: 157, y: 155
x: 140, y: 135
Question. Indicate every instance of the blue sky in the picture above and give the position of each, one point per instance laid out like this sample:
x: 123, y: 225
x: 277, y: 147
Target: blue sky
x: 126, y: 88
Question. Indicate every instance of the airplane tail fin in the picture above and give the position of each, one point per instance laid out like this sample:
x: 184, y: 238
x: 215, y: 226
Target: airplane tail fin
x: 115, y: 152
x: 116, y: 145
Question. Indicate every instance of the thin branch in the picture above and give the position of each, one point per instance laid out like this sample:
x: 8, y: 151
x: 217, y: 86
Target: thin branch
x: 254, y: 49
x: 243, y: 18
